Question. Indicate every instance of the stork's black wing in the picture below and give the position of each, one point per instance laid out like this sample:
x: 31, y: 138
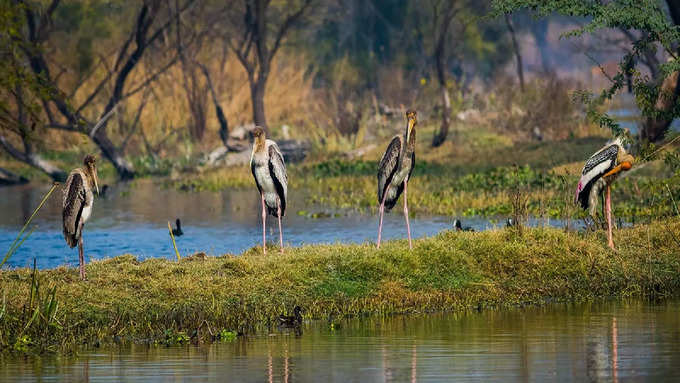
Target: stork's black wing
x: 388, y: 166
x: 73, y: 204
x: 277, y: 169
x: 596, y: 166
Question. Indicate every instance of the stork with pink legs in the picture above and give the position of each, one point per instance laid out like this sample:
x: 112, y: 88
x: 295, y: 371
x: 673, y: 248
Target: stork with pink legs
x: 599, y: 172
x: 269, y: 171
x: 394, y: 172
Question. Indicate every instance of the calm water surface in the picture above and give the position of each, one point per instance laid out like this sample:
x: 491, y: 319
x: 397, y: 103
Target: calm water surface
x: 133, y: 219
x: 608, y: 342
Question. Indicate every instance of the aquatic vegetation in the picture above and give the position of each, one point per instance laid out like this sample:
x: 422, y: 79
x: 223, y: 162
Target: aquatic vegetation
x: 226, y: 335
x: 161, y: 301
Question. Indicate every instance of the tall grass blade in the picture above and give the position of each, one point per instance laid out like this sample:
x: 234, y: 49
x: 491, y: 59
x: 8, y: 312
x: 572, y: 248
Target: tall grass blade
x: 174, y: 245
x: 675, y: 205
x: 4, y: 304
x: 14, y: 245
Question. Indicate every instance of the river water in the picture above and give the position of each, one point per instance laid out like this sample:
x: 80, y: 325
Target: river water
x: 596, y: 342
x: 133, y: 219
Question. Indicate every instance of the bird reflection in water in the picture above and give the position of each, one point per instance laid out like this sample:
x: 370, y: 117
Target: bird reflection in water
x: 287, y: 365
x: 414, y: 364
x: 598, y: 363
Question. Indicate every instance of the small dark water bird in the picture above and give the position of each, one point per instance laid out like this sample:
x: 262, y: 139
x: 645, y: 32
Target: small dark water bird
x: 394, y: 171
x: 77, y: 205
x: 177, y: 231
x: 599, y: 172
x: 291, y: 321
x: 269, y: 171
x: 458, y: 226
x: 102, y: 193
x: 509, y: 222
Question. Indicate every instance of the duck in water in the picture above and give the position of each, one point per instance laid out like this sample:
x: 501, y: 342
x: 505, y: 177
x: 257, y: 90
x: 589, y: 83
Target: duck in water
x: 458, y: 226
x: 291, y: 321
x: 177, y: 232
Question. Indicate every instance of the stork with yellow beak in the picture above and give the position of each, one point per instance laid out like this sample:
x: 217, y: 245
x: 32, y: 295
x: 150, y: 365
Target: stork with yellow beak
x: 269, y: 171
x: 77, y: 205
x: 600, y: 171
x: 394, y: 171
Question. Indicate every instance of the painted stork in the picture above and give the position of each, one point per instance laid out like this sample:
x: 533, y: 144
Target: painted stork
x: 394, y: 171
x: 77, y: 205
x: 269, y: 171
x: 599, y: 172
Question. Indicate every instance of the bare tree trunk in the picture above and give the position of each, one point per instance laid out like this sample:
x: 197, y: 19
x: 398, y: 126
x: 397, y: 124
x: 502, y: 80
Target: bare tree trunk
x: 219, y: 112
x: 257, y: 96
x: 110, y: 151
x: 35, y: 160
x: 255, y: 50
x: 518, y: 55
x: 654, y: 128
x: 9, y: 178
x: 440, y: 136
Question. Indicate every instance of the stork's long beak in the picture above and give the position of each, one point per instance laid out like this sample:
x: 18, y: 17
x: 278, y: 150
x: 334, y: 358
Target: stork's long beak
x: 96, y: 181
x: 409, y: 127
x: 625, y: 165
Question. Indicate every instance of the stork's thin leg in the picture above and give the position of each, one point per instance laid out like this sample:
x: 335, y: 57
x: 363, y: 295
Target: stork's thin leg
x: 382, y: 211
x: 408, y: 227
x: 264, y: 227
x: 81, y: 258
x: 278, y: 211
x: 608, y: 204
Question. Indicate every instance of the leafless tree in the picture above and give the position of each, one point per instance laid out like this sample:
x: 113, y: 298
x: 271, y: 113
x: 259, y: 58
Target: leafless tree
x: 517, y: 51
x: 442, y: 14
x: 62, y: 115
x: 259, y: 30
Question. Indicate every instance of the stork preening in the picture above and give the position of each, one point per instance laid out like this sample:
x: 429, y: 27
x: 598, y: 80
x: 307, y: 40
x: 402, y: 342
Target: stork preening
x: 77, y: 205
x: 599, y: 172
x: 395, y: 170
x: 269, y: 171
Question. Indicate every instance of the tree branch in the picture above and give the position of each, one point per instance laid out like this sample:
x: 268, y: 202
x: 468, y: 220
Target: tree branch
x: 287, y: 24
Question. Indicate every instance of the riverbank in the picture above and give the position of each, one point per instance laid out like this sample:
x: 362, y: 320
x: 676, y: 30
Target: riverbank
x: 486, y: 184
x: 204, y: 298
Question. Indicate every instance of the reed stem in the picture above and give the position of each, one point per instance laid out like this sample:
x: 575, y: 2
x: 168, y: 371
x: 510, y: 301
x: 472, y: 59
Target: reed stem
x: 172, y: 236
x: 15, y: 245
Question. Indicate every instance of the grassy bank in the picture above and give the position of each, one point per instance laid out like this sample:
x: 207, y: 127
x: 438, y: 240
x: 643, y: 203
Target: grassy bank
x: 203, y: 298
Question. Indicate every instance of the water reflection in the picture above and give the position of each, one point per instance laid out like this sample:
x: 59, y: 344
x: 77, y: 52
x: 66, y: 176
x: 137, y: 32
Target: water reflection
x: 590, y: 342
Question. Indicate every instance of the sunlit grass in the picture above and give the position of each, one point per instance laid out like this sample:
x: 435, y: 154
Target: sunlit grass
x: 160, y: 301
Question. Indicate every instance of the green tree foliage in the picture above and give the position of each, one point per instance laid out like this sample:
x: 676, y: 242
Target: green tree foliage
x: 658, y: 23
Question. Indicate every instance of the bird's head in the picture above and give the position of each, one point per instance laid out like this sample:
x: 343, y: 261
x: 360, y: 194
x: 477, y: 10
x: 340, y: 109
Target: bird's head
x: 627, y: 161
x: 258, y: 136
x: 411, y: 122
x: 90, y: 163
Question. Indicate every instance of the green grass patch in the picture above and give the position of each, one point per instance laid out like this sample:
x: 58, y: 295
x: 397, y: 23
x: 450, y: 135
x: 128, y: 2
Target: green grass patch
x: 159, y: 301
